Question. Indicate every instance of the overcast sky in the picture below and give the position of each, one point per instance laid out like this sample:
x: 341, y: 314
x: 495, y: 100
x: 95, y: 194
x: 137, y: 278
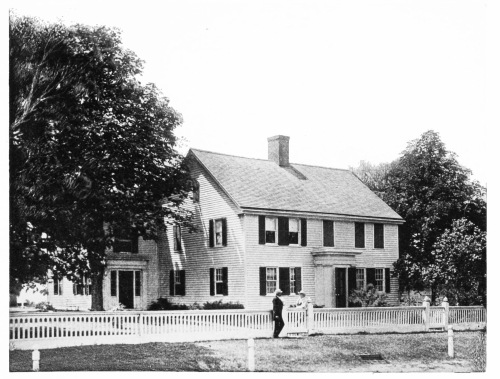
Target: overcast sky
x: 346, y: 80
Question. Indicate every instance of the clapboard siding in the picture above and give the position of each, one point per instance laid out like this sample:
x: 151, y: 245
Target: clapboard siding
x: 197, y: 257
x: 67, y: 300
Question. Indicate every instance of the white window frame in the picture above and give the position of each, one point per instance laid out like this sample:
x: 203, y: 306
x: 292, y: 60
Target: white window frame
x: 364, y: 278
x: 275, y: 219
x: 378, y: 278
x: 298, y: 231
x: 177, y: 245
x: 216, y: 243
x: 218, y: 279
x: 59, y: 286
x: 277, y: 271
x: 294, y: 281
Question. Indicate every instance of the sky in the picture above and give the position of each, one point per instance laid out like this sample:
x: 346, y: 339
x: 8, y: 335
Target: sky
x: 346, y: 80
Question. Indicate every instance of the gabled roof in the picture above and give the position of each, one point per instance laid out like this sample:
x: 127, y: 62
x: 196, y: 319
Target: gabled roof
x: 262, y: 184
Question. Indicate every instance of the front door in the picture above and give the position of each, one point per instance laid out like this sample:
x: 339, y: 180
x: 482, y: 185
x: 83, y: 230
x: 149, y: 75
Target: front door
x: 340, y: 290
x: 126, y: 288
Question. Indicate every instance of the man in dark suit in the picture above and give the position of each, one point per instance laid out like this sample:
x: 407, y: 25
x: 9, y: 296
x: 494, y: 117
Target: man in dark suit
x: 277, y: 314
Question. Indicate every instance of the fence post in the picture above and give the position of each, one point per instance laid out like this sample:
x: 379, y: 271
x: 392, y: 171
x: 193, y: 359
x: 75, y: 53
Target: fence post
x: 446, y: 306
x: 36, y: 359
x: 140, y: 324
x: 451, y: 352
x: 310, y: 318
x: 427, y: 312
x: 251, y: 354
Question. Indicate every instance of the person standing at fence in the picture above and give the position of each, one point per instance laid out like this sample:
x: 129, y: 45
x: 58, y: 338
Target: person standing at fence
x: 278, y: 313
x: 302, y: 301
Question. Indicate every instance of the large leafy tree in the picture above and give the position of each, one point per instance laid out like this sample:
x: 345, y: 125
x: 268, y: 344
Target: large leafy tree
x: 90, y: 146
x: 459, y: 267
x: 429, y: 188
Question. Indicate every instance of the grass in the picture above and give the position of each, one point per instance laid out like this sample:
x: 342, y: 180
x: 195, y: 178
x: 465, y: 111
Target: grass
x: 323, y: 353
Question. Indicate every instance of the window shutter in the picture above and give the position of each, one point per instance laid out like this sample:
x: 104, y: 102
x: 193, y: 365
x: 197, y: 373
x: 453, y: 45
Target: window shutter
x: 283, y: 231
x: 370, y: 276
x: 211, y: 233
x: 262, y: 230
x: 328, y: 239
x: 298, y: 279
x: 303, y: 232
x: 284, y: 282
x: 378, y: 234
x: 212, y: 282
x: 359, y: 234
x: 351, y: 281
x: 183, y: 283
x: 225, y: 291
x: 224, y: 232
x: 262, y: 280
x: 172, y: 283
x: 113, y: 283
x: 387, y: 280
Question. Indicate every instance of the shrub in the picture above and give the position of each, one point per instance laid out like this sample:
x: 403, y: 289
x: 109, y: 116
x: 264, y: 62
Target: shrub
x: 220, y: 305
x: 163, y: 304
x: 368, y: 298
x: 45, y: 307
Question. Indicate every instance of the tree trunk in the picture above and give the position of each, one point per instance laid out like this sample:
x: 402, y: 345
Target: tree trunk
x: 97, y: 277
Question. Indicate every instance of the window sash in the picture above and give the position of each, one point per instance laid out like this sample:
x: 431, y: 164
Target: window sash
x: 293, y: 231
x: 177, y: 238
x: 218, y: 232
x: 360, y: 278
x: 271, y: 279
x: 292, y: 280
x: 379, y: 279
x: 271, y: 229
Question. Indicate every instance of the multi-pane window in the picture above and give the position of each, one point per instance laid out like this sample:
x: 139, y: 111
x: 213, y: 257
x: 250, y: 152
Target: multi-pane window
x: 271, y: 279
x: 219, y: 282
x: 125, y: 241
x: 293, y: 231
x: 379, y: 279
x: 177, y: 238
x: 360, y: 278
x: 378, y: 236
x: 57, y: 286
x: 293, y: 288
x: 218, y: 232
x: 196, y: 191
x: 82, y: 287
x: 270, y: 230
x: 359, y: 231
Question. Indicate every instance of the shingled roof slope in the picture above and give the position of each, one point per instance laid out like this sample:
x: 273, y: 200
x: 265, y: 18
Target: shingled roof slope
x: 262, y: 184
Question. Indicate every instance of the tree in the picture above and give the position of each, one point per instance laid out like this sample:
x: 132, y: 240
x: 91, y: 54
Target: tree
x: 429, y: 189
x: 368, y: 297
x: 90, y: 146
x: 459, y: 267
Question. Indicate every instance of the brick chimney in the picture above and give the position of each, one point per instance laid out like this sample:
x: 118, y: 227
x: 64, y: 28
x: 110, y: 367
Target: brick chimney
x: 277, y: 150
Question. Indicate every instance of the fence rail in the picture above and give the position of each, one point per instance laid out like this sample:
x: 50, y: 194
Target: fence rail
x: 50, y: 330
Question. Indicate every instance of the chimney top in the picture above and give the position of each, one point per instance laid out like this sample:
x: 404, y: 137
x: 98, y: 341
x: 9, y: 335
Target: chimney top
x: 278, y: 149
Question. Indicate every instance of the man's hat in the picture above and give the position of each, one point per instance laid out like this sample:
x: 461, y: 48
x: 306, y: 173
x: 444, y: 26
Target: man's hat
x: 278, y: 291
x: 301, y: 292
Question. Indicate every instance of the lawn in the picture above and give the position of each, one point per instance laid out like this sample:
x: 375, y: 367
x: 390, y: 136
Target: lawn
x: 323, y: 353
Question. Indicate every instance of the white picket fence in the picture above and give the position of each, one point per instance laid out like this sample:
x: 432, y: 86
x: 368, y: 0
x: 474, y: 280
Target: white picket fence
x: 50, y: 330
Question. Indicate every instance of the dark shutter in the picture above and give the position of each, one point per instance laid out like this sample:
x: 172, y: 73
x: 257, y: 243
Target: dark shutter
x: 378, y: 234
x: 283, y: 231
x: 211, y: 233
x: 298, y: 279
x: 113, y: 283
x: 172, y: 283
x: 303, y: 231
x: 262, y: 230
x: 351, y: 281
x: 370, y: 276
x: 359, y: 231
x: 284, y: 282
x: 224, y: 232
x: 387, y: 280
x: 328, y: 233
x: 262, y: 280
x: 225, y: 291
x: 212, y: 282
x: 182, y: 290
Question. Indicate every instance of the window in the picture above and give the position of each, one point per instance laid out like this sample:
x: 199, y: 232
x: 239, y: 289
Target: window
x: 378, y: 236
x: 293, y: 288
x: 79, y: 286
x: 328, y: 233
x: 359, y: 231
x: 218, y: 281
x: 125, y: 242
x: 360, y: 278
x: 137, y: 279
x: 271, y: 279
x: 270, y: 230
x: 113, y: 283
x: 293, y: 231
x: 379, y: 279
x: 177, y: 238
x: 196, y: 191
x: 57, y: 286
x: 177, y: 282
x: 217, y: 232
x: 288, y: 279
